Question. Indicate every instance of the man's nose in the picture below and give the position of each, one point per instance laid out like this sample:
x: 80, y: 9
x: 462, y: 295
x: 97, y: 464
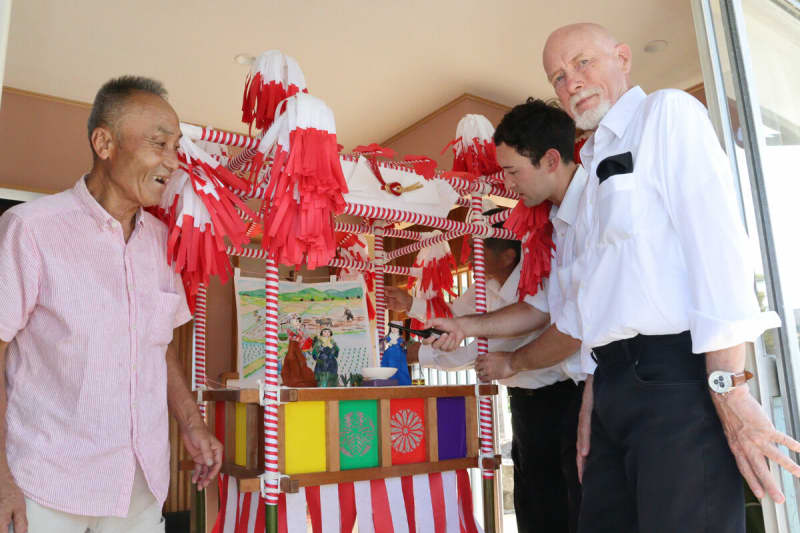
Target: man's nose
x: 171, y: 160
x: 574, y: 83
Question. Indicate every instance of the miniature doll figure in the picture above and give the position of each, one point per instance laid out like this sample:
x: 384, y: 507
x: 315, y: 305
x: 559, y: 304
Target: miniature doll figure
x: 394, y: 355
x: 325, y: 352
x: 295, y: 371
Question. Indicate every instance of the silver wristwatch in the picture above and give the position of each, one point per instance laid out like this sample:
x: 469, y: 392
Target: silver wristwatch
x: 723, y: 382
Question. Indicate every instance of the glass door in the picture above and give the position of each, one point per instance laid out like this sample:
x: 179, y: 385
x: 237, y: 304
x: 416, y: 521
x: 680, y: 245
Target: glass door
x: 750, y: 52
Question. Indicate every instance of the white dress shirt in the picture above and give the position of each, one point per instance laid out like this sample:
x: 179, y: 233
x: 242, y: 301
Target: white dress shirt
x: 668, y: 251
x: 571, y: 227
x: 498, y: 297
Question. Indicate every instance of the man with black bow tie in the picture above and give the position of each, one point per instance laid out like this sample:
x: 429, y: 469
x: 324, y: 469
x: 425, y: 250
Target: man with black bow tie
x: 665, y: 305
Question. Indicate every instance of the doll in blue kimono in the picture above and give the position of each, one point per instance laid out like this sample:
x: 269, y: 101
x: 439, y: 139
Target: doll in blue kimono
x: 394, y: 355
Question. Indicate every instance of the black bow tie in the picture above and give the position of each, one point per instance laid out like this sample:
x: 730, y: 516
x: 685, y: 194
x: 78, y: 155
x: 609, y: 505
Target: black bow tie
x: 613, y: 165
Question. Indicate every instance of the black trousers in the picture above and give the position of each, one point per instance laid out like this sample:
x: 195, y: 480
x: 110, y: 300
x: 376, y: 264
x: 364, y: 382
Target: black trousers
x: 659, y: 461
x: 546, y: 490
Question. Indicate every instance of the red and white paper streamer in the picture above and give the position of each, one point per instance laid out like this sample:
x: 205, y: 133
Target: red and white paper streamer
x: 437, y: 264
x: 306, y: 185
x: 273, y: 77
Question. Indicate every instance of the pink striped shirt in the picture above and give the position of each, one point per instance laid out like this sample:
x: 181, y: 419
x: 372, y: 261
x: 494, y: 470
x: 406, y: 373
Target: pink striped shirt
x: 88, y: 317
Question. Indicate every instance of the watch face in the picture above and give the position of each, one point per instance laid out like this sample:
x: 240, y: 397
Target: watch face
x: 721, y: 382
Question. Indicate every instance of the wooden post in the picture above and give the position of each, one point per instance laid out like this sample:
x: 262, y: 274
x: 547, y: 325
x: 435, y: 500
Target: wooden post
x: 332, y: 435
x: 385, y: 433
x: 431, y: 429
x: 471, y: 407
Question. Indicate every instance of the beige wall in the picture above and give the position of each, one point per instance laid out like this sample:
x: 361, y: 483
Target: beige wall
x: 432, y: 133
x: 43, y: 142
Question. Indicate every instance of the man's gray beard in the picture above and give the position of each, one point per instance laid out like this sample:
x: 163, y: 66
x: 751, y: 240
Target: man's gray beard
x: 590, y: 119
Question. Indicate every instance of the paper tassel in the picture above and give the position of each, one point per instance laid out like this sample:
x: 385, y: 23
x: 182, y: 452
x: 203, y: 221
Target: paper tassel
x: 437, y: 264
x: 273, y: 77
x: 200, y: 211
x: 422, y: 165
x: 473, y: 148
x: 306, y: 185
x: 350, y: 246
x: 533, y: 228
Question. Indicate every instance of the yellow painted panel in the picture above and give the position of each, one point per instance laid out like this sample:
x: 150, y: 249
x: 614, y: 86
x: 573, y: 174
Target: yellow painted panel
x: 305, y: 437
x: 241, y: 434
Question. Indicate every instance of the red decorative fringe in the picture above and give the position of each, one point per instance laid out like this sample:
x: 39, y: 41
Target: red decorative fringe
x: 197, y: 253
x: 304, y: 192
x: 422, y: 165
x: 533, y: 227
x: 261, y: 98
x: 479, y: 158
x: 437, y: 276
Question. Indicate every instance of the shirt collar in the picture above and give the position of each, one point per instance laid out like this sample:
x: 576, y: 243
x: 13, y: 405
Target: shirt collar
x: 620, y: 114
x: 95, y: 210
x: 568, y: 210
x: 508, y: 292
x: 616, y: 120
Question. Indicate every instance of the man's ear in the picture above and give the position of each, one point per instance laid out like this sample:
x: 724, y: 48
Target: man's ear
x: 102, y: 141
x: 622, y: 53
x: 551, y: 160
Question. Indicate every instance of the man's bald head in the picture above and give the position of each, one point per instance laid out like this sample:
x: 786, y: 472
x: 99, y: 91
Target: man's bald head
x: 589, y: 70
x: 597, y: 32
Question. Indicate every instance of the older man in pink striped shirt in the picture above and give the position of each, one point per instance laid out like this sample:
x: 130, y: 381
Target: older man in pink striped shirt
x: 89, y: 304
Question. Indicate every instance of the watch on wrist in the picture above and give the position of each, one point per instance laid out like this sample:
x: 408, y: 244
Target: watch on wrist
x: 723, y: 382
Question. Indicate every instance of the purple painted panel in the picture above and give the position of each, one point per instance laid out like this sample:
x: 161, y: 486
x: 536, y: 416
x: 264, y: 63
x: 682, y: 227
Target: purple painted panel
x: 451, y: 420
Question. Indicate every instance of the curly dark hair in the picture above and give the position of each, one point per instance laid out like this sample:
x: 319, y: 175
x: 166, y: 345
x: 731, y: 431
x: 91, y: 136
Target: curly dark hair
x: 534, y: 127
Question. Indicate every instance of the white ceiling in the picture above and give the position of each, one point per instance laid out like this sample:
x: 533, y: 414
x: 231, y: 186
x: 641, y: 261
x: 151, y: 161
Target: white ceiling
x: 380, y: 65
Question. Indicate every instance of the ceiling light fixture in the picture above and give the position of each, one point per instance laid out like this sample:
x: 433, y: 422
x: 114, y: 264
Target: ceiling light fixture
x: 655, y: 46
x: 244, y: 59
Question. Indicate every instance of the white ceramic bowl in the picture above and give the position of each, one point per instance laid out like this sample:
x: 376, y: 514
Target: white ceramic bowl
x: 377, y: 372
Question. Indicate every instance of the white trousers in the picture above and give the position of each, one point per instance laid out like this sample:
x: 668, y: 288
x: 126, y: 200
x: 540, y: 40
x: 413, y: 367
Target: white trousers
x: 144, y: 516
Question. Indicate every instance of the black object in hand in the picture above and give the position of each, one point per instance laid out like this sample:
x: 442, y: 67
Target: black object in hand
x: 424, y: 333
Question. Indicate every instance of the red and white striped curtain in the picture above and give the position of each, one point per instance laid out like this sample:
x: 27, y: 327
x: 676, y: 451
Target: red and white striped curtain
x: 425, y: 503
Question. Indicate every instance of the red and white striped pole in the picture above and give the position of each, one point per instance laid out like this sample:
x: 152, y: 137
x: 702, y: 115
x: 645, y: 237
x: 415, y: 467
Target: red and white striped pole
x: 199, y: 346
x: 380, y: 294
x: 271, y: 395
x: 485, y: 423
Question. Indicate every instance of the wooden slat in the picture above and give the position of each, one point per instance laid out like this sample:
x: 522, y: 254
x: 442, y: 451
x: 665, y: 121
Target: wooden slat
x: 324, y: 394
x: 365, y: 474
x: 431, y: 429
x: 384, y: 434
x: 248, y: 479
x: 255, y: 448
x: 471, y: 407
x: 377, y: 393
x: 231, y: 395
x: 230, y: 432
x: 332, y: 435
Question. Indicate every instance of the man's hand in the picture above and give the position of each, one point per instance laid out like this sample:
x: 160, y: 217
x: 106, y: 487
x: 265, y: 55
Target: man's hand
x: 494, y: 365
x: 753, y: 439
x: 206, y: 452
x: 12, y: 505
x: 397, y: 299
x: 412, y: 353
x: 584, y: 427
x: 452, y: 338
